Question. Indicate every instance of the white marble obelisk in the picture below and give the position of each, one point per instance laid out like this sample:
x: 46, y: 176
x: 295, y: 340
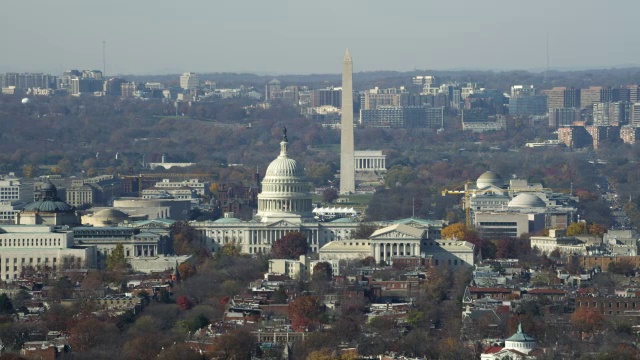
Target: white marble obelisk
x: 347, y: 171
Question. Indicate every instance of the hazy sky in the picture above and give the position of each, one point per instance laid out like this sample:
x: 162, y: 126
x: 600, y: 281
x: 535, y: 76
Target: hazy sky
x: 301, y: 37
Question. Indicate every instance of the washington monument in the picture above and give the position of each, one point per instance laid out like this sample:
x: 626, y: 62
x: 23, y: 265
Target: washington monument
x: 347, y: 171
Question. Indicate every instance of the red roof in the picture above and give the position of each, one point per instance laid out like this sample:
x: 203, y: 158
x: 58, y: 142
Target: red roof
x: 493, y: 350
x: 546, y: 292
x: 489, y: 290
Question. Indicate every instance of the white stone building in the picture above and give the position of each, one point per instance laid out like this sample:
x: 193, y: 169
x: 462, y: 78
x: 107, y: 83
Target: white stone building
x: 284, y: 206
x: 40, y: 247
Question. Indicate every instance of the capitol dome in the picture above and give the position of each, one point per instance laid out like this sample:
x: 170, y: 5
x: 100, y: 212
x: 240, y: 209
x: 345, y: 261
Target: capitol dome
x: 489, y: 178
x: 527, y: 201
x: 285, y: 192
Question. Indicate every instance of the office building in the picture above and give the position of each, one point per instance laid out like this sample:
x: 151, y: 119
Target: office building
x: 40, y: 248
x: 189, y: 81
x: 403, y: 117
x: 562, y: 97
x: 528, y: 105
x: 611, y: 113
x: 326, y: 97
x: 629, y: 134
x: 559, y: 117
x: 594, y: 94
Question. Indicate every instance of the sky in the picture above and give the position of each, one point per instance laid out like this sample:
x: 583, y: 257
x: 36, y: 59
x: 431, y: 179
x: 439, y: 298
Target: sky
x: 309, y: 37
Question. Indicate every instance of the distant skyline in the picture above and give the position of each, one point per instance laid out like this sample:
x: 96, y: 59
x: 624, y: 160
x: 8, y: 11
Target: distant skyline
x: 300, y: 37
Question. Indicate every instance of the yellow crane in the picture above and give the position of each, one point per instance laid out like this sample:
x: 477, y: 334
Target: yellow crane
x: 466, y: 203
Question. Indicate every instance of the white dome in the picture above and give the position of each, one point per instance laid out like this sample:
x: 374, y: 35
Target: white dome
x: 283, y: 165
x: 25, y: 100
x: 285, y: 192
x: 527, y: 201
x: 489, y: 178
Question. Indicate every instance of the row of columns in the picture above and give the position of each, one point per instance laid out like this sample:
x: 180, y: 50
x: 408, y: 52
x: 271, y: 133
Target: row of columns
x: 385, y: 251
x: 145, y: 250
x: 370, y: 164
x: 295, y: 205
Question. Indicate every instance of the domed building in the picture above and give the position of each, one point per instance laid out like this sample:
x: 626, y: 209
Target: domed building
x: 48, y: 209
x: 519, y: 346
x: 526, y: 200
x: 285, y: 193
x: 105, y: 217
x: 489, y: 178
x: 284, y: 206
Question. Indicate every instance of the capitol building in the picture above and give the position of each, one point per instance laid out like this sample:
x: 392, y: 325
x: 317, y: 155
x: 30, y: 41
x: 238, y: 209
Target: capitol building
x: 284, y: 206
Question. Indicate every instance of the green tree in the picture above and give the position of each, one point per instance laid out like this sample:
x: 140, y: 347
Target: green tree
x: 6, y: 307
x: 116, y: 260
x: 290, y: 246
x: 322, y: 271
x: 363, y: 231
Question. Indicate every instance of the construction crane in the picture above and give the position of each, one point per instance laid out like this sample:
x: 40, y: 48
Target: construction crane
x: 466, y: 200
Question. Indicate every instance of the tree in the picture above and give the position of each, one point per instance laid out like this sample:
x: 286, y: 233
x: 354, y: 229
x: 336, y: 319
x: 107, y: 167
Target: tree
x: 231, y: 249
x: 28, y: 170
x: 198, y: 323
x: 290, y: 246
x: 363, y: 231
x: 237, y: 344
x: 6, y: 307
x: 180, y: 352
x: 577, y: 228
x: 184, y: 303
x: 329, y: 195
x: 279, y: 296
x: 305, y: 312
x: 116, y: 260
x: 621, y: 267
x: 454, y: 231
x: 214, y: 188
x: 186, y: 270
x: 184, y: 238
x: 322, y: 271
x: 587, y: 320
x: 597, y: 229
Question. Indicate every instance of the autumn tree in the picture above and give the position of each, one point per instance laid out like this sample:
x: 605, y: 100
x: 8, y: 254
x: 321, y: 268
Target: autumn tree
x: 305, y: 312
x: 89, y: 333
x: 290, y: 246
x: 597, y: 229
x: 186, y: 270
x: 587, y: 321
x: 577, y: 228
x: 458, y: 231
x: 184, y: 303
x: 184, y: 238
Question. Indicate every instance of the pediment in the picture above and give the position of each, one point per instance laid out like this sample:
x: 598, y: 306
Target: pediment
x: 394, y: 234
x: 281, y: 223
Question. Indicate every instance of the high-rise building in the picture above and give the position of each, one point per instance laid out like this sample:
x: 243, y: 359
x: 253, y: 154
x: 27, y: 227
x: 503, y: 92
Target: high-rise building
x: 629, y: 134
x: 593, y: 95
x: 610, y: 113
x: 634, y: 118
x: 403, y: 117
x: 522, y: 90
x: 189, y: 81
x: 559, y: 117
x: 347, y: 168
x: 527, y: 105
x: 562, y: 97
x: 330, y: 96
